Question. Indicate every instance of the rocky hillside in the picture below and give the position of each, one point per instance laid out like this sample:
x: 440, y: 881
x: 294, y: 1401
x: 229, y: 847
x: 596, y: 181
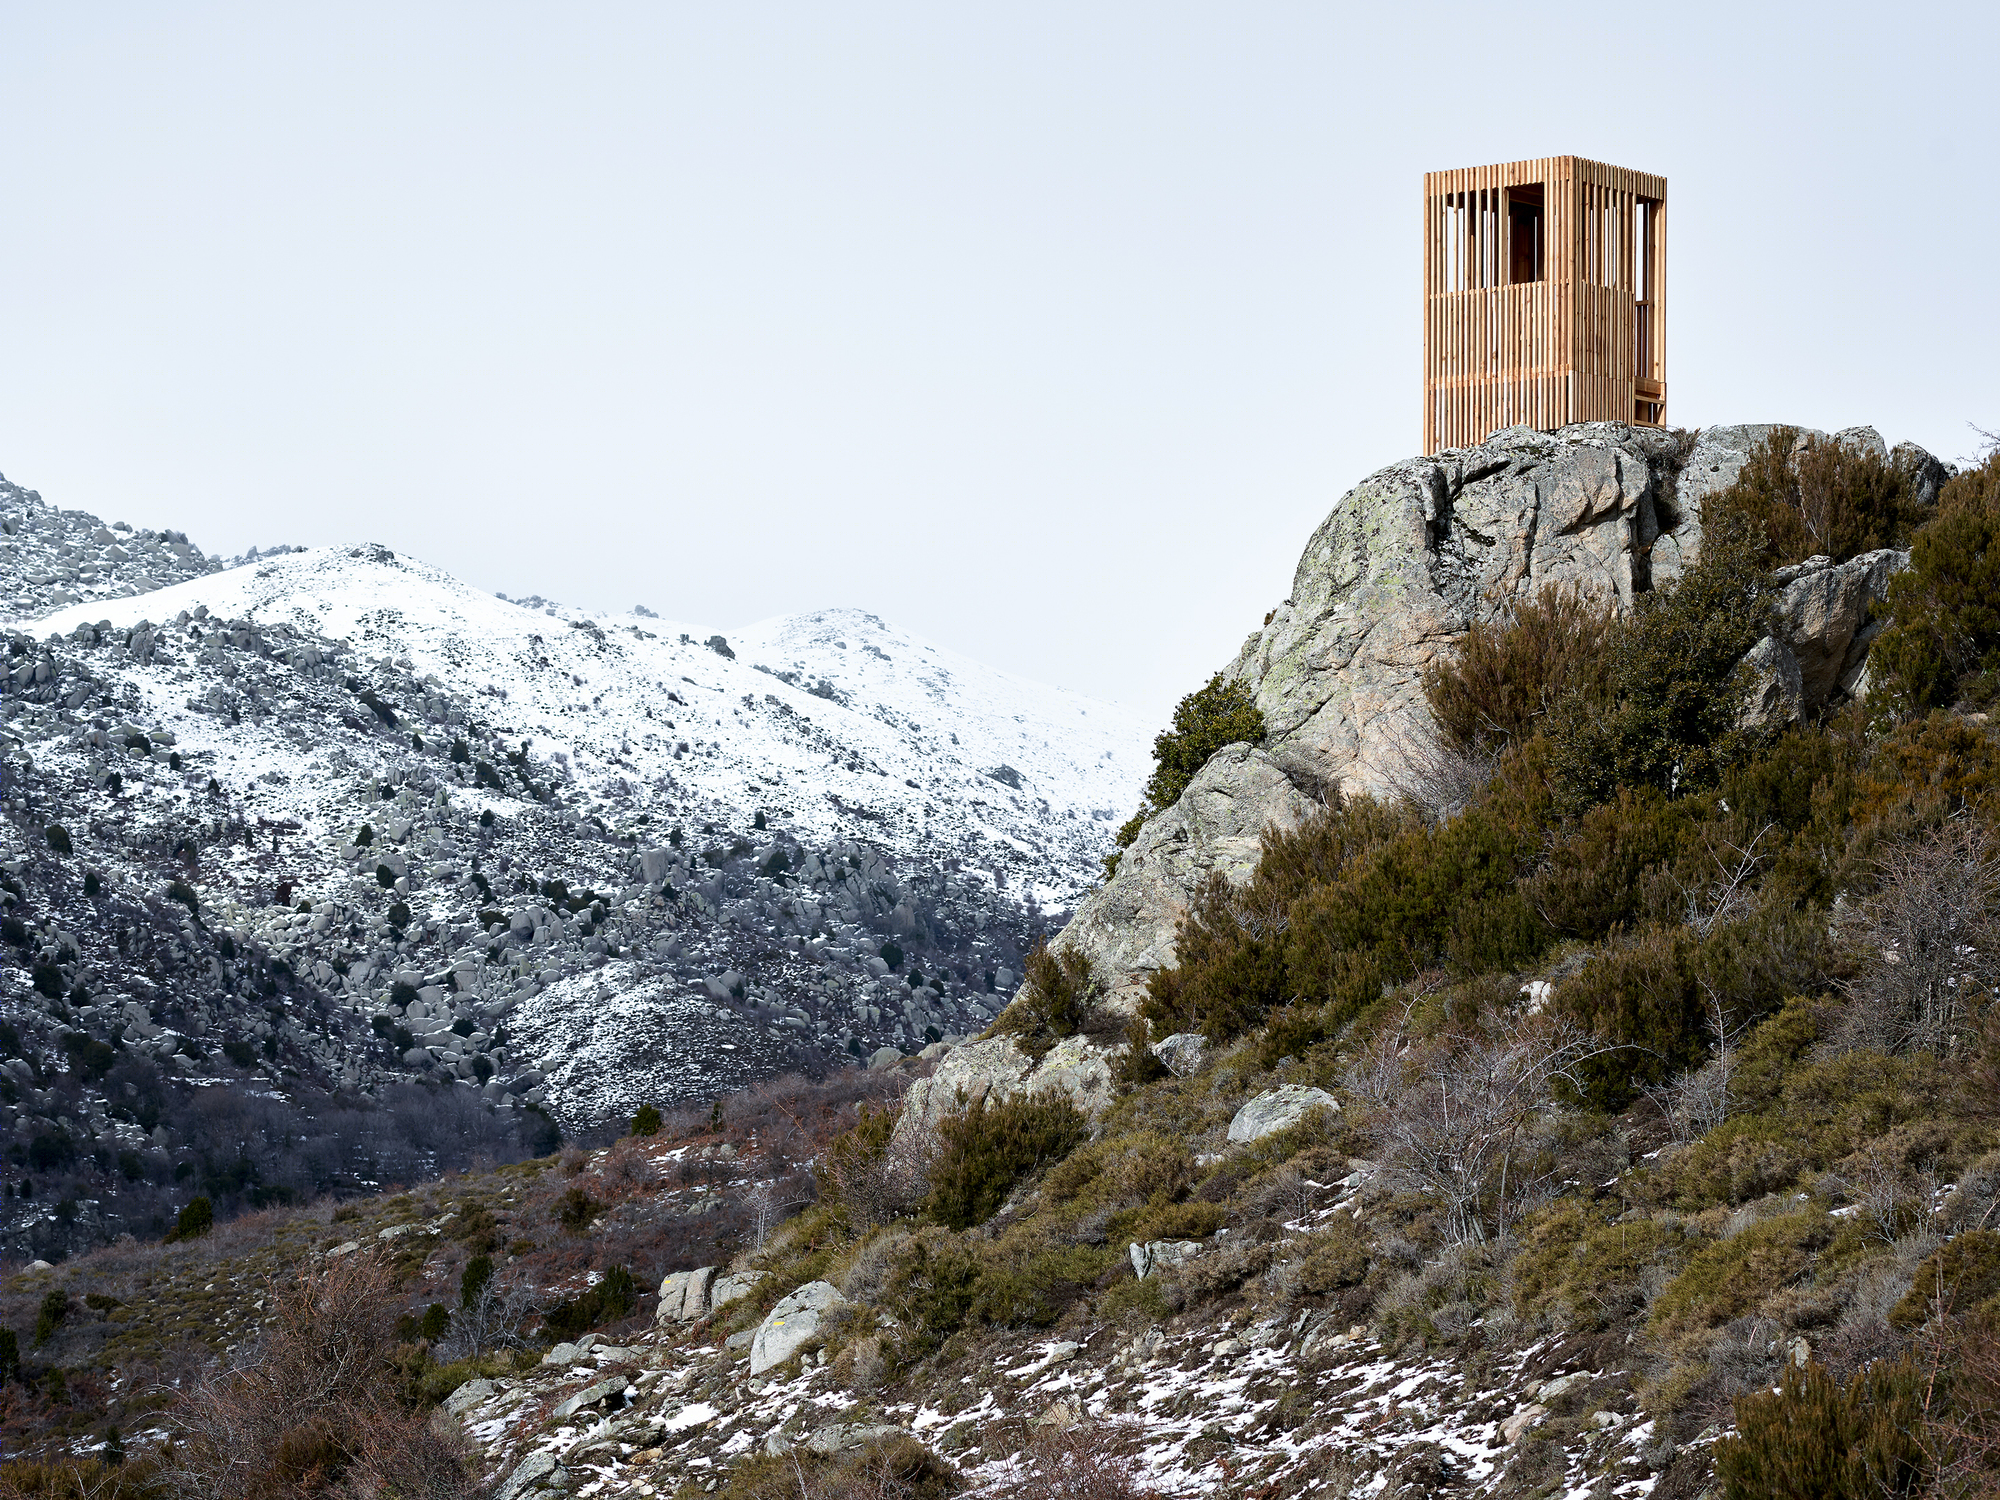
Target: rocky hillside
x: 1409, y: 560
x: 1608, y: 1109
x: 50, y: 558
x: 332, y: 821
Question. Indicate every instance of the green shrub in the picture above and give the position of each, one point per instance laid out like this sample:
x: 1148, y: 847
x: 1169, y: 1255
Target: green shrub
x: 1732, y: 1277
x: 575, y: 1209
x: 92, y: 884
x: 1651, y: 997
x: 1931, y: 768
x: 478, y: 1271
x: 1815, y: 1440
x: 647, y: 1120
x: 1594, y: 878
x: 1956, y: 1278
x: 1036, y: 1292
x: 1587, y: 1272
x: 1123, y: 1170
x: 1812, y: 1118
x: 1428, y: 896
x: 1146, y: 1297
x: 59, y: 840
x: 931, y: 1288
x: 50, y: 1315
x: 1058, y: 997
x: 1507, y: 674
x: 986, y: 1149
x: 1666, y: 714
x: 1942, y: 642
x: 1217, y: 714
x: 461, y: 753
x: 89, y: 1058
x: 1815, y: 496
x: 1137, y: 1065
x: 48, y: 981
x: 1337, y: 1257
x: 1237, y: 954
x: 195, y: 1220
x: 433, y: 1324
x: 611, y: 1299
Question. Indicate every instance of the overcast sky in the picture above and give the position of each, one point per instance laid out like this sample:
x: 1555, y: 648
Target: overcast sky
x: 1048, y: 332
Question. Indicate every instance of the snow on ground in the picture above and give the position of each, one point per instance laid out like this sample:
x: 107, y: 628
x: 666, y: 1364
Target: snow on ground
x: 1264, y: 1409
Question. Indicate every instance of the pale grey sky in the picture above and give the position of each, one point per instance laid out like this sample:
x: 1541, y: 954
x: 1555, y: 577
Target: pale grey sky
x: 1046, y: 331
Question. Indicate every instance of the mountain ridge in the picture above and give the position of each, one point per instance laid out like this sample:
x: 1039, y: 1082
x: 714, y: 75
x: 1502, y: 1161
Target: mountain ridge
x: 386, y: 829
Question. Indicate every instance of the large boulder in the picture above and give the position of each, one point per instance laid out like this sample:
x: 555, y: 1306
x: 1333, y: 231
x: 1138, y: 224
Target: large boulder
x: 684, y: 1296
x: 1158, y: 1255
x: 533, y: 1472
x: 964, y: 1075
x: 1822, y: 613
x: 795, y: 1320
x: 726, y: 1289
x: 996, y: 1069
x: 467, y: 1396
x: 1278, y: 1109
x: 1077, y: 1070
x: 1405, y: 563
x: 1182, y: 1053
x: 1216, y: 828
x: 1818, y: 647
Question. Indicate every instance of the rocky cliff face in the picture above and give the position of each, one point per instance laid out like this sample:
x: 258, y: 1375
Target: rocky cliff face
x: 1405, y: 563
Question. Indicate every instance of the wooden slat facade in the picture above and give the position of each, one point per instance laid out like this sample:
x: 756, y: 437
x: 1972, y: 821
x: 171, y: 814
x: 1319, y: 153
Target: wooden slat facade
x: 1542, y: 326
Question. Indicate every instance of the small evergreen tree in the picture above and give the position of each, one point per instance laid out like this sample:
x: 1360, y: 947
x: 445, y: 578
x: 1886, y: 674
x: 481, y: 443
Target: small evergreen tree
x: 986, y: 1149
x: 478, y: 1271
x: 50, y: 1315
x: 1666, y: 715
x: 195, y: 1220
x: 646, y: 1121
x: 1812, y: 1438
x: 1942, y: 642
x: 1214, y: 715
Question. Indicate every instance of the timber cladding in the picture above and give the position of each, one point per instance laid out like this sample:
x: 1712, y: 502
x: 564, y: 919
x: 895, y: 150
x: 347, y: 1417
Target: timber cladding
x: 1544, y: 298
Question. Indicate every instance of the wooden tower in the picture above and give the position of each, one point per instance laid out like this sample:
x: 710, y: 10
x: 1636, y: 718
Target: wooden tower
x: 1544, y: 298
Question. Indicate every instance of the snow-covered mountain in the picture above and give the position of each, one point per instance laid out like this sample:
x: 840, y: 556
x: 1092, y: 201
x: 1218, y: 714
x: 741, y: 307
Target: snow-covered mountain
x: 833, y: 721
x: 335, y: 820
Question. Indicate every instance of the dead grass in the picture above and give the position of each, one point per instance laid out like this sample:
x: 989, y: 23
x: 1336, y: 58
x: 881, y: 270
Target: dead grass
x: 665, y: 1203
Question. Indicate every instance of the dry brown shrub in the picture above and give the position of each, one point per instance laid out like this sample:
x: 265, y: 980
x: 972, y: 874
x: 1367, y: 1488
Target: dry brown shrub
x: 900, y: 1468
x: 1927, y: 944
x: 76, y: 1479
x: 1820, y: 496
x: 304, y: 1412
x: 1509, y: 672
x: 1075, y: 1462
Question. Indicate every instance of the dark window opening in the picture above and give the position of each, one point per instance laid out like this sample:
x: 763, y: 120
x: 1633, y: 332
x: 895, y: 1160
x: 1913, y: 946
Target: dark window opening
x: 1524, y: 233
